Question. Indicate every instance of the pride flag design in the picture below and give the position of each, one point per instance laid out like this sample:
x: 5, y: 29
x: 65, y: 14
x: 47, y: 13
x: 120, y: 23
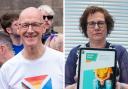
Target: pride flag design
x: 37, y: 82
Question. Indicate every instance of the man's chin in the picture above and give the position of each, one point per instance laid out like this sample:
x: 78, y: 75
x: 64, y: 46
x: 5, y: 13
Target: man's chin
x: 31, y: 45
x: 17, y: 36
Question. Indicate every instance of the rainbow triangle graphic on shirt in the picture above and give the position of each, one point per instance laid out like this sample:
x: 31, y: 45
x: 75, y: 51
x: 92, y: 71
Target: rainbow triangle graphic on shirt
x: 37, y: 82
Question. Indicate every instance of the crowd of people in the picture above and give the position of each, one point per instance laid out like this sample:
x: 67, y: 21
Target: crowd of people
x: 31, y: 50
x: 24, y: 55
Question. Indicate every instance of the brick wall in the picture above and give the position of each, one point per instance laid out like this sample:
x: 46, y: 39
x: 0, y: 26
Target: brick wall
x: 18, y: 5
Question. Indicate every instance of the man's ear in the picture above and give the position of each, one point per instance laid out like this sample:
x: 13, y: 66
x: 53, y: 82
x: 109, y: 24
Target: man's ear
x: 18, y: 31
x: 9, y: 30
x: 3, y: 52
x: 2, y: 49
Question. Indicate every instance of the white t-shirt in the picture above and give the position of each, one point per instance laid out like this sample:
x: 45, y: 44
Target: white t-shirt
x: 47, y: 72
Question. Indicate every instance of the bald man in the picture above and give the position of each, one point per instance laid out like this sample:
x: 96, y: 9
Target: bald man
x: 36, y: 66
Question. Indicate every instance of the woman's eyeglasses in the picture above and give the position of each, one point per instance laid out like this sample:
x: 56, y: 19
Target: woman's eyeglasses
x: 93, y: 24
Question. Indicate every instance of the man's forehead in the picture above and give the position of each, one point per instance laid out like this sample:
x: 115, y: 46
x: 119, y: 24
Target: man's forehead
x: 15, y: 21
x: 30, y: 12
x: 33, y: 20
x: 30, y: 9
x: 31, y: 17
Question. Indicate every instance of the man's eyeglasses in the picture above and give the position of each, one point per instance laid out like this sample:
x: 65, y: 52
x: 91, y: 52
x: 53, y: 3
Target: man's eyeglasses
x: 92, y: 24
x: 34, y: 25
x: 49, y: 17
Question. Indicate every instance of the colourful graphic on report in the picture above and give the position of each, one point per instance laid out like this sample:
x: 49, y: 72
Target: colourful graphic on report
x: 37, y: 82
x: 91, y: 57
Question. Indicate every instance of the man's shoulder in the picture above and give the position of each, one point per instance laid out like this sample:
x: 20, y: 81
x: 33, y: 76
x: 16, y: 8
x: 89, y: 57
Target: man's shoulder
x: 54, y: 56
x: 53, y: 51
x: 12, y: 62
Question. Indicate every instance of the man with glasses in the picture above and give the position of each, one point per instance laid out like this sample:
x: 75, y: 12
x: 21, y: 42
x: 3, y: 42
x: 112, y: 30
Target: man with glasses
x: 6, y: 51
x: 36, y: 66
x: 96, y: 23
x: 48, y: 15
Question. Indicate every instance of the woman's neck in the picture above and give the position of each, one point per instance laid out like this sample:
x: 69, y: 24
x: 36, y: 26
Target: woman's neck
x: 97, y: 44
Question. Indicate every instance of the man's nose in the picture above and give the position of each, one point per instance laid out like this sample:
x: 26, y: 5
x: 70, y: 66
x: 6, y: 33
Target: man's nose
x: 46, y: 19
x: 30, y: 29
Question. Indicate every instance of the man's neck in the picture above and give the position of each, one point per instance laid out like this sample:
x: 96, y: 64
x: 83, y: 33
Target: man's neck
x: 16, y: 40
x: 33, y: 53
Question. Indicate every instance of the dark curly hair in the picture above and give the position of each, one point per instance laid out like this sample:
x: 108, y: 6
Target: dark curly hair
x: 7, y: 19
x: 92, y: 10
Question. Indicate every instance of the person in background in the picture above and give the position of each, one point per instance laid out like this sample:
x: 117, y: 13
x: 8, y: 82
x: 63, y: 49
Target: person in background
x: 36, y: 66
x: 96, y: 24
x: 55, y: 41
x: 6, y: 51
x: 9, y: 23
x: 47, y: 15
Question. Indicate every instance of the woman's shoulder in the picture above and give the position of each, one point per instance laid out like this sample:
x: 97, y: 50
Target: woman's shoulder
x: 119, y: 47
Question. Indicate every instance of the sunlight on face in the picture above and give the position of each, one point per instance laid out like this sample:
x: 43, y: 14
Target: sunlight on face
x: 31, y: 27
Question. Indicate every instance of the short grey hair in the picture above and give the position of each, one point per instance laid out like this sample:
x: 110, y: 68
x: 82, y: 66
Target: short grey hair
x: 46, y: 8
x: 5, y: 39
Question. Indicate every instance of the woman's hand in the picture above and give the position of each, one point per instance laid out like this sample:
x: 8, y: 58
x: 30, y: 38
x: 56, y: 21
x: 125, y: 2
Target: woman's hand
x: 121, y: 85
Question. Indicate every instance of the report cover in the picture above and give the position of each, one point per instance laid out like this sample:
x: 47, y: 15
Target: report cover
x: 97, y: 69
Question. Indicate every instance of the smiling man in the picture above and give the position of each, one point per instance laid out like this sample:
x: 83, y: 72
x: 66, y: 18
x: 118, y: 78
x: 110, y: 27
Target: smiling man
x: 37, y: 66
